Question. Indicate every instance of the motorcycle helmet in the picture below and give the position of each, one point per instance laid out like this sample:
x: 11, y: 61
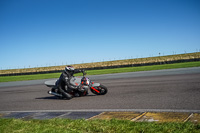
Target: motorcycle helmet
x: 69, y: 68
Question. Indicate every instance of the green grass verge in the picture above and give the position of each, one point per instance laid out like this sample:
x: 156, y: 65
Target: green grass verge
x: 103, y: 71
x: 29, y: 77
x: 144, y: 68
x: 93, y: 126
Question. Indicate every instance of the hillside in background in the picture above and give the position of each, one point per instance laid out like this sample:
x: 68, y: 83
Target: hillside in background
x: 110, y: 64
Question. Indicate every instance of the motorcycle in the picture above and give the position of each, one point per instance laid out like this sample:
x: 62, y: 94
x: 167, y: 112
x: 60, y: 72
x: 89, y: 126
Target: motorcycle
x: 83, y: 82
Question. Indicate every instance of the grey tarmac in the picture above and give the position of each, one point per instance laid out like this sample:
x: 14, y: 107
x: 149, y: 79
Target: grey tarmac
x: 173, y: 90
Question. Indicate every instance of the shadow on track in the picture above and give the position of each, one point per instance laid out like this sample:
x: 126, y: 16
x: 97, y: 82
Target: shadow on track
x: 58, y: 98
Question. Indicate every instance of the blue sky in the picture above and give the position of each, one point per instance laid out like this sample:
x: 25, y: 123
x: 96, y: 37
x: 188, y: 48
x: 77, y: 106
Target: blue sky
x: 35, y: 33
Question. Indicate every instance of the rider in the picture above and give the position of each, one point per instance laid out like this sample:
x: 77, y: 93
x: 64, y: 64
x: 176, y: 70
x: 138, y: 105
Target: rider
x: 63, y: 82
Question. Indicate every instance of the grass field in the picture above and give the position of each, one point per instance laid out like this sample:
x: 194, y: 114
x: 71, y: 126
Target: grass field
x: 93, y: 126
x: 103, y: 71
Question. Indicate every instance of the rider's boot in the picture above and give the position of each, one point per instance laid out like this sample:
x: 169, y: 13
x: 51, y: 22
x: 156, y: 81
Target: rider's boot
x: 65, y: 94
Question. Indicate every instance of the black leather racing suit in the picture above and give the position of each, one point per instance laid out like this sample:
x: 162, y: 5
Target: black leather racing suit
x: 64, y: 85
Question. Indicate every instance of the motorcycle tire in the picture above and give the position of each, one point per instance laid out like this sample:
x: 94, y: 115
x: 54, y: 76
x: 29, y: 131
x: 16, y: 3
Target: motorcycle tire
x: 101, y: 90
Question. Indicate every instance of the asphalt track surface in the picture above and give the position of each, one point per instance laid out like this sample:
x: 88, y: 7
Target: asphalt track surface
x: 164, y: 90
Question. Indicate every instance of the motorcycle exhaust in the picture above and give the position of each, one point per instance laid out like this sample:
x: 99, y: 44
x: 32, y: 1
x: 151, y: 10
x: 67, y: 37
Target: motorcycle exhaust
x: 55, y: 94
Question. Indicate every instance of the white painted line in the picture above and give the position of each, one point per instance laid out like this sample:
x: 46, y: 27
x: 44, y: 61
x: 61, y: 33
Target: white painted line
x: 111, y: 110
x: 95, y: 116
x: 188, y: 117
x: 60, y: 116
x: 138, y: 117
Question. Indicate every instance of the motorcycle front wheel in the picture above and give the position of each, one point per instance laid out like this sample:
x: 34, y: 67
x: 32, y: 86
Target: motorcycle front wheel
x: 99, y: 90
